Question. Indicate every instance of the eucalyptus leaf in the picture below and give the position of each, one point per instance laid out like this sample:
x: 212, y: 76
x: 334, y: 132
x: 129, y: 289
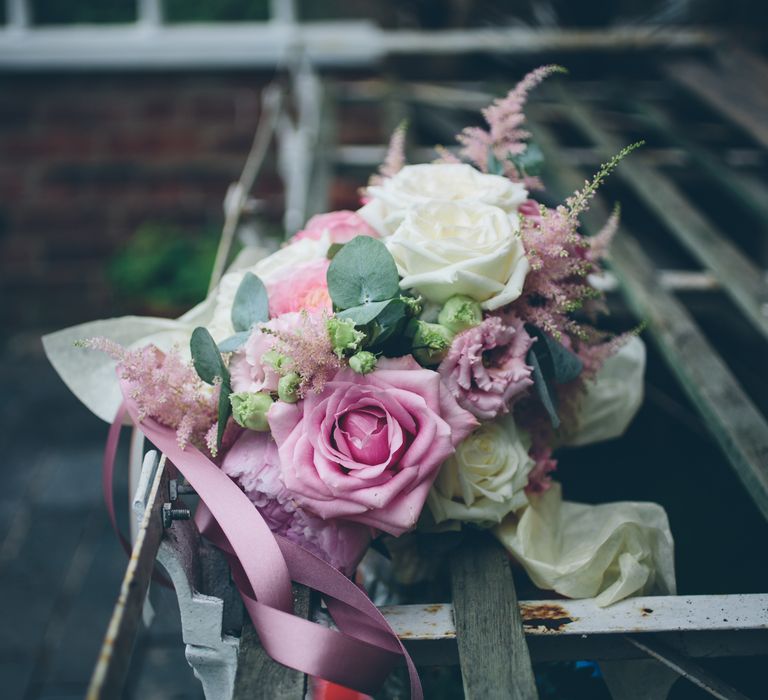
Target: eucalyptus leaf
x: 225, y: 410
x: 363, y: 271
x: 333, y: 249
x: 388, y: 323
x: 251, y: 305
x: 558, y: 362
x: 495, y: 166
x: 543, y: 389
x: 530, y: 161
x: 234, y: 341
x: 206, y: 357
x: 365, y: 313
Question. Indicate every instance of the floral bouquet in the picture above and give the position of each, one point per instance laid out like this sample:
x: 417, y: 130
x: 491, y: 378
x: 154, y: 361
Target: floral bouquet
x: 410, y: 367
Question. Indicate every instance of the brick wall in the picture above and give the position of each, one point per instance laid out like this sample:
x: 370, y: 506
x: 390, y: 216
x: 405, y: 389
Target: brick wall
x: 86, y: 159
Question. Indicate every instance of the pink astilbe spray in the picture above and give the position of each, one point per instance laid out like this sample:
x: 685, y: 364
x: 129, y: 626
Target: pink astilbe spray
x: 505, y: 135
x: 308, y: 346
x: 166, y: 389
x: 394, y: 160
x: 561, y: 258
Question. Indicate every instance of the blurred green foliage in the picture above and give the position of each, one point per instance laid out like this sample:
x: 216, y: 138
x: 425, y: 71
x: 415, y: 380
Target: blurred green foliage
x: 83, y: 11
x: 163, y: 268
x: 216, y: 10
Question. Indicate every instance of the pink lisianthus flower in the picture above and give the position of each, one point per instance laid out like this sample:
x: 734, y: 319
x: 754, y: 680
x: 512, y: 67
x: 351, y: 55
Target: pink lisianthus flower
x: 303, y: 288
x: 368, y: 447
x: 254, y: 462
x: 485, y: 368
x: 342, y: 227
x: 247, y: 369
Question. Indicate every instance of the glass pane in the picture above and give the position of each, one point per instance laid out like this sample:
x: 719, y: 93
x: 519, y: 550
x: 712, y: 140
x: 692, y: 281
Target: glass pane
x: 83, y: 11
x: 311, y: 10
x: 216, y: 10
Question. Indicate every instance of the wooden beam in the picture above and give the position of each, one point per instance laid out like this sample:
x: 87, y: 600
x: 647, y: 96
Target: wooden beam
x: 493, y: 655
x: 728, y: 92
x: 739, y: 278
x: 258, y: 676
x: 112, y: 666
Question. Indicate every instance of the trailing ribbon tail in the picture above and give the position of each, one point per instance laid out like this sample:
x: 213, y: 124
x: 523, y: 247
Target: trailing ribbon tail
x: 359, y: 655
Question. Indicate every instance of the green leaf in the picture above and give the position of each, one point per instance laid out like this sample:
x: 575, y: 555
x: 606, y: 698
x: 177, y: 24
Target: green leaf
x: 333, y: 249
x: 225, y: 410
x: 363, y: 271
x: 206, y: 357
x: 251, y: 304
x: 365, y: 313
x: 495, y: 166
x: 558, y: 362
x: 234, y: 341
x: 387, y: 324
x: 530, y: 161
x: 542, y: 388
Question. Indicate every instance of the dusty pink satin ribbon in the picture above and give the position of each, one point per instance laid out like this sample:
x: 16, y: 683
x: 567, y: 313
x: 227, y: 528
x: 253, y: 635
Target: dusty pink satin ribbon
x: 364, y: 649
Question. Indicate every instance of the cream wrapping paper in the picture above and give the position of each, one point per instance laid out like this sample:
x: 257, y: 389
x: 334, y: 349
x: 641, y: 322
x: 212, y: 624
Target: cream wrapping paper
x: 607, y: 552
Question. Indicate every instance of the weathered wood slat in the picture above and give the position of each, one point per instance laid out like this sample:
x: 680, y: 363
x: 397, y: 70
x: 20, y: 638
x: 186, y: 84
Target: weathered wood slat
x: 574, y: 618
x: 686, y: 668
x: 111, y: 668
x: 493, y: 655
x: 728, y: 92
x: 732, y: 418
x: 738, y: 276
x: 258, y: 676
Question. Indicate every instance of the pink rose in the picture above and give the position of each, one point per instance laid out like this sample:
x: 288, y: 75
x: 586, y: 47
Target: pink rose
x: 485, y: 368
x: 302, y: 288
x: 530, y: 209
x: 254, y: 462
x: 246, y: 368
x: 342, y: 226
x: 368, y: 447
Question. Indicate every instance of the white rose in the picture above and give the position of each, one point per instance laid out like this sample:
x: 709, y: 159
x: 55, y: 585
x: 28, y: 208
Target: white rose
x: 437, y: 182
x: 267, y: 269
x: 612, y: 398
x: 485, y: 479
x: 442, y: 249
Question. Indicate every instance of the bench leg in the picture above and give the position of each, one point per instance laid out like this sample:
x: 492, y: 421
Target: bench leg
x: 215, y: 668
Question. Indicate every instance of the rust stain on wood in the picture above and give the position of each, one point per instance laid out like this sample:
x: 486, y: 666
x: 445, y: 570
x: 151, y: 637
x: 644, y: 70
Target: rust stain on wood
x: 549, y: 617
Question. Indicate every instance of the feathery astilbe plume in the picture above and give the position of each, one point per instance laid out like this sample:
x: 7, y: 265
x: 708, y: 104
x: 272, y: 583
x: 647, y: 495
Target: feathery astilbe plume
x: 600, y: 243
x: 561, y: 258
x: 165, y: 388
x: 394, y: 161
x: 505, y: 135
x: 556, y: 284
x: 308, y: 346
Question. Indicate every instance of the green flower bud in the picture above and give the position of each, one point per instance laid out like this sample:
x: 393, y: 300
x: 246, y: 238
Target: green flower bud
x: 276, y: 360
x: 459, y: 313
x: 431, y: 342
x: 413, y: 305
x: 250, y: 410
x: 344, y: 337
x: 363, y: 362
x: 288, y: 387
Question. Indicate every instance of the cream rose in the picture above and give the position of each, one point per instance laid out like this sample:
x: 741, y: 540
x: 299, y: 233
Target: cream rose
x: 437, y: 182
x: 485, y: 479
x: 267, y: 269
x: 448, y: 248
